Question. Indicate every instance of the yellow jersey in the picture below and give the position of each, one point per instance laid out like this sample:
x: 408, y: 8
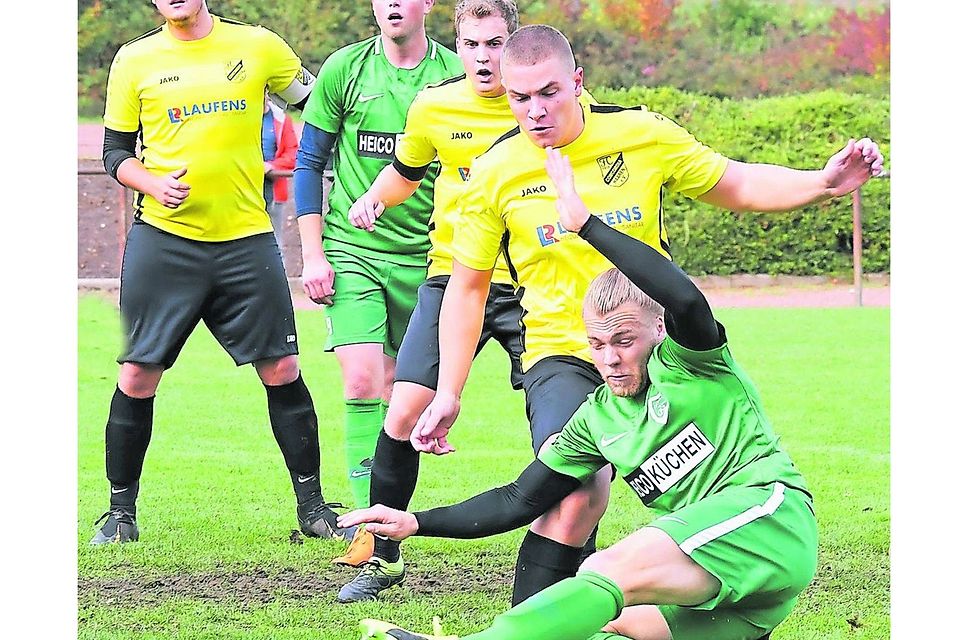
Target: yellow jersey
x: 621, y: 161
x: 199, y: 105
x: 449, y: 122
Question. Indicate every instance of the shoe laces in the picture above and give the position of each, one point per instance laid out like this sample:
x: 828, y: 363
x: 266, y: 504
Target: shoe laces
x: 120, y: 515
x: 320, y: 507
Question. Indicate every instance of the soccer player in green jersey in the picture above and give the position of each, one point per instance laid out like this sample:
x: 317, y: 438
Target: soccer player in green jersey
x: 734, y: 540
x: 201, y: 246
x: 624, y: 158
x: 367, y: 282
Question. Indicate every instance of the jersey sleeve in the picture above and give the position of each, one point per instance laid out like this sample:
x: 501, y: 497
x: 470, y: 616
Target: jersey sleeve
x: 283, y: 64
x: 697, y: 364
x: 122, y: 110
x: 478, y: 227
x: 689, y: 166
x: 415, y: 146
x: 574, y: 453
x: 325, y: 106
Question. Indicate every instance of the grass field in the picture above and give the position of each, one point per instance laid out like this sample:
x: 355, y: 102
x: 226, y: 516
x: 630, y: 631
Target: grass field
x: 216, y: 558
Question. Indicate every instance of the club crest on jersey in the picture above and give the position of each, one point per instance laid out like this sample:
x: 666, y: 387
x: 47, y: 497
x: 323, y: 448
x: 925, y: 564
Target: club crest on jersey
x: 614, y: 169
x: 657, y: 408
x: 670, y: 464
x: 235, y: 71
x: 464, y: 173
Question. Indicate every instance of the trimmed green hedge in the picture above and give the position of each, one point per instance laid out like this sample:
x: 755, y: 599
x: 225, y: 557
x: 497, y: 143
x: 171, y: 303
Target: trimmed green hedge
x: 800, y: 131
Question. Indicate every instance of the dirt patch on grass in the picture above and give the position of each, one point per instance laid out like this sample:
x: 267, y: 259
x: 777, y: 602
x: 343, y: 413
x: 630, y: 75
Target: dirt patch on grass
x: 261, y: 586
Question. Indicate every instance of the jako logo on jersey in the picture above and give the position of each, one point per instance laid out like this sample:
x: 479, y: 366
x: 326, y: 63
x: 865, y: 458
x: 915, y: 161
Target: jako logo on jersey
x: 529, y: 191
x: 464, y: 173
x: 179, y: 114
x: 374, y: 144
x: 461, y: 135
x: 614, y: 169
x: 169, y: 79
x: 235, y: 71
x: 550, y: 233
x: 670, y: 464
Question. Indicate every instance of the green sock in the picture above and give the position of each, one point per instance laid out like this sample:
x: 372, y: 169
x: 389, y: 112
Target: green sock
x: 362, y: 423
x: 571, y: 609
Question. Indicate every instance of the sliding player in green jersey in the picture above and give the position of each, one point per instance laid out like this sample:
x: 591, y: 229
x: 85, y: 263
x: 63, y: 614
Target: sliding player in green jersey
x: 734, y: 540
x: 624, y: 159
x: 360, y: 103
x: 201, y: 246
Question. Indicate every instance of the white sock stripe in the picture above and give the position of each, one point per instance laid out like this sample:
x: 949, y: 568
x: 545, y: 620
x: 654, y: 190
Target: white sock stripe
x: 758, y: 511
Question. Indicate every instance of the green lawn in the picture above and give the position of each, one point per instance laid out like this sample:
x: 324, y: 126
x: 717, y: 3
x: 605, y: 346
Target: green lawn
x: 216, y: 510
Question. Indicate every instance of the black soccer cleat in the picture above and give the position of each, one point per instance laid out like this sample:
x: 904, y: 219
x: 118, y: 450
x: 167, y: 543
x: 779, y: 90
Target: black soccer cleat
x: 319, y: 520
x: 120, y: 527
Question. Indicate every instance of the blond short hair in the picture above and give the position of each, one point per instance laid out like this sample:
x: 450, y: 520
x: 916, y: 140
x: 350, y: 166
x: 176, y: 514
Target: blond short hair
x: 535, y: 43
x: 611, y: 289
x: 479, y: 9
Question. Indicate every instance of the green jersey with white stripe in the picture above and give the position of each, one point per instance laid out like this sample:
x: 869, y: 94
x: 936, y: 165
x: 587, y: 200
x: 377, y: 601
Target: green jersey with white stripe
x: 699, y: 428
x: 360, y: 96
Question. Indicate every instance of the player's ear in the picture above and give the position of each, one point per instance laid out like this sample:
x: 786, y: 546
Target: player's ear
x: 427, y: 6
x: 578, y: 81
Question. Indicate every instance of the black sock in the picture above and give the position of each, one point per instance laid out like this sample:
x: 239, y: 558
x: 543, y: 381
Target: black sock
x: 590, y: 547
x: 542, y: 562
x: 294, y: 424
x: 393, y: 479
x: 128, y: 431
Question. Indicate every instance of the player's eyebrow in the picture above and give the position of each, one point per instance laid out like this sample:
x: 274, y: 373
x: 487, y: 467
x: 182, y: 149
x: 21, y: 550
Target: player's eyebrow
x: 550, y: 85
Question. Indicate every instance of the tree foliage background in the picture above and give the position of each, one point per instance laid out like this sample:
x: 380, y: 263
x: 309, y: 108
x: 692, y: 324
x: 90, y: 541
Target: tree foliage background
x: 725, y: 48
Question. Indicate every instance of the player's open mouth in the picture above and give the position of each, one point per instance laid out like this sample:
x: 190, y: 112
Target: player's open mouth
x: 484, y: 74
x: 177, y: 3
x: 395, y: 17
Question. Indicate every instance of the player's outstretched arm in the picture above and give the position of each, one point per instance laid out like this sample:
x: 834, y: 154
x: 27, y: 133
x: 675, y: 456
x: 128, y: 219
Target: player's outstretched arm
x: 461, y: 321
x: 769, y: 187
x: 388, y: 190
x: 519, y: 503
x: 687, y: 313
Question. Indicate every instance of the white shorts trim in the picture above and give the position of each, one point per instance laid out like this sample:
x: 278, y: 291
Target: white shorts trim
x: 712, y: 533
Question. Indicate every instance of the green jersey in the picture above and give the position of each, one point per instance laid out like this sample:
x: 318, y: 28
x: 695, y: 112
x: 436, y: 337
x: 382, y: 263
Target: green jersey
x: 360, y: 96
x: 697, y: 430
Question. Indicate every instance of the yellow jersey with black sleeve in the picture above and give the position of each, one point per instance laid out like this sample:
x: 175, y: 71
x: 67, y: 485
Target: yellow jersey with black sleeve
x: 199, y: 105
x: 621, y: 161
x: 449, y: 122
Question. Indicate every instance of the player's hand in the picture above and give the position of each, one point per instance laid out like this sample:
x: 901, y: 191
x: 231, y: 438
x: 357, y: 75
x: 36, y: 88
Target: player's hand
x: 169, y: 191
x: 381, y: 520
x: 364, y: 212
x: 573, y: 213
x: 318, y: 280
x: 852, y: 166
x: 430, y: 433
x: 267, y: 168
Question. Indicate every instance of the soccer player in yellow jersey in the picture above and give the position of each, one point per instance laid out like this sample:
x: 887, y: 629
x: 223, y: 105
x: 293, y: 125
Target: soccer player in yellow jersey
x: 621, y: 159
x: 201, y: 246
x: 453, y: 121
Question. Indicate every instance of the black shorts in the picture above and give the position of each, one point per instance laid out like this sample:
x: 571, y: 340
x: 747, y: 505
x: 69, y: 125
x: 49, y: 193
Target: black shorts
x: 238, y: 288
x: 418, y: 360
x: 555, y: 388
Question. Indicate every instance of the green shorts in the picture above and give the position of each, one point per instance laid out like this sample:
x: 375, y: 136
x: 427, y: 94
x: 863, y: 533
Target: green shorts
x: 760, y: 543
x: 372, y: 300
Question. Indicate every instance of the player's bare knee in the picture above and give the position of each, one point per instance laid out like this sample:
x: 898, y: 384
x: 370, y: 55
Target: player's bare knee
x: 400, y: 422
x: 139, y: 380
x: 359, y: 384
x: 278, y: 371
